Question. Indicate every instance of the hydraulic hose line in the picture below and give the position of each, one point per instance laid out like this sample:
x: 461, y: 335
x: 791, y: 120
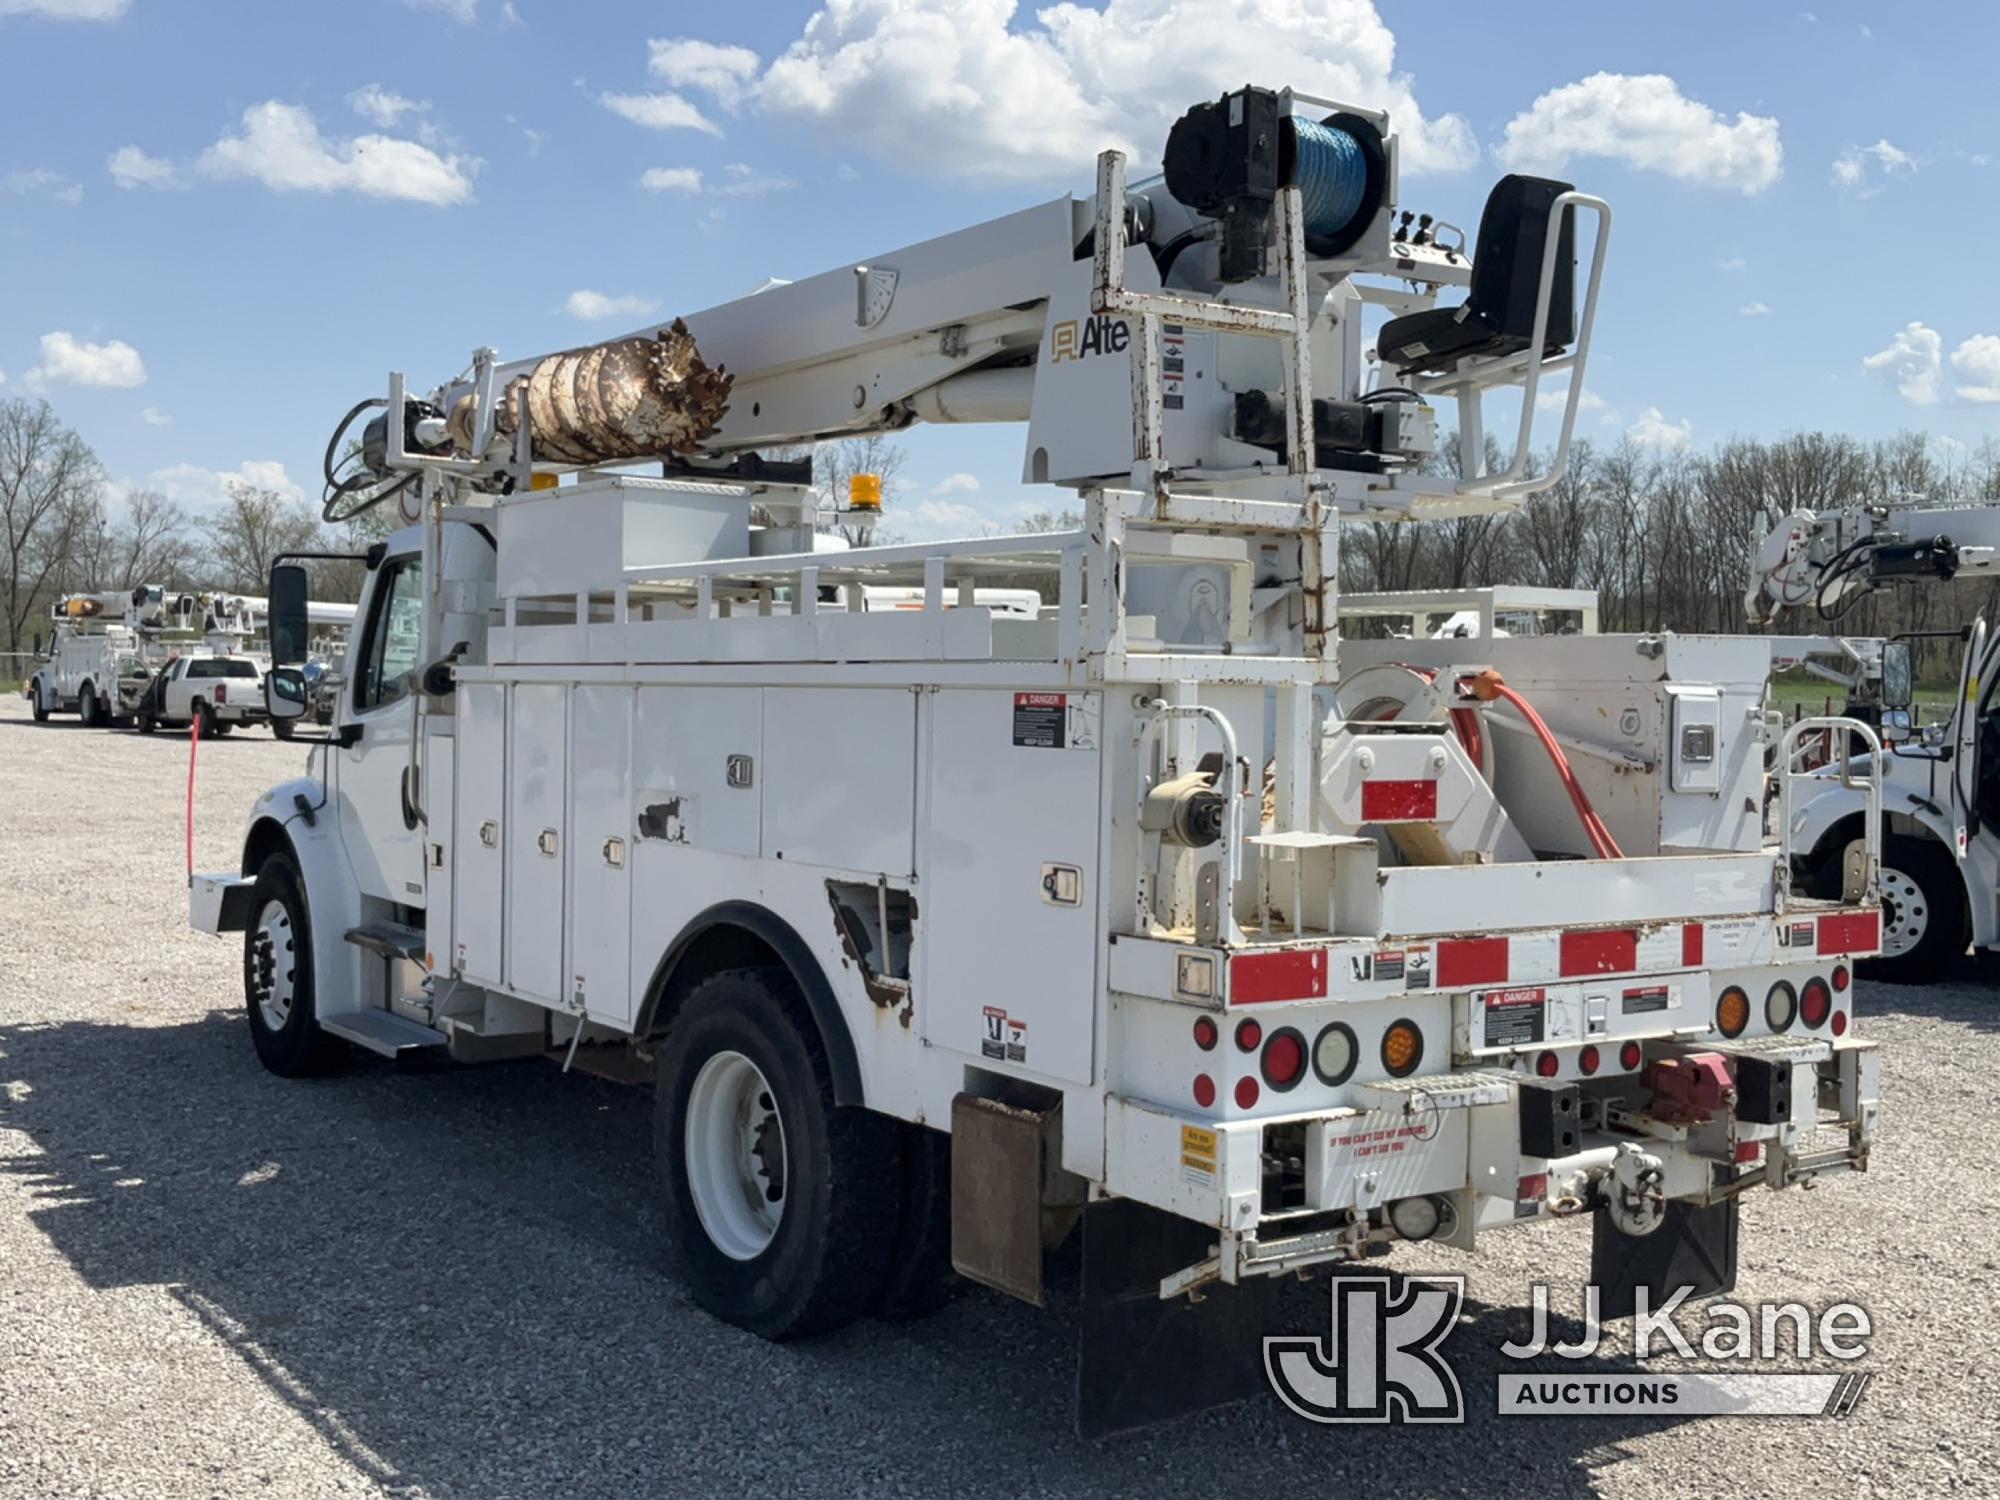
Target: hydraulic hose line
x: 1488, y: 686
x: 194, y: 744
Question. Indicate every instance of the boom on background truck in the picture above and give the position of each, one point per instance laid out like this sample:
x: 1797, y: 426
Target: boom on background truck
x: 939, y: 929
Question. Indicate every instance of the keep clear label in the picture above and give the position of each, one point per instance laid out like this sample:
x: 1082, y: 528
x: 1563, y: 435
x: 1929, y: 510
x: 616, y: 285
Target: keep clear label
x: 1056, y: 721
x: 1515, y: 1017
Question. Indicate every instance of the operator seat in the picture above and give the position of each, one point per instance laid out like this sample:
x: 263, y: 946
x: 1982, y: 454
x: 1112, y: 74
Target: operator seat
x: 1498, y: 314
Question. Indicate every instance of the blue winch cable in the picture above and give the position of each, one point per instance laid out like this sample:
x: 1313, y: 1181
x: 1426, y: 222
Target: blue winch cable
x: 1331, y: 176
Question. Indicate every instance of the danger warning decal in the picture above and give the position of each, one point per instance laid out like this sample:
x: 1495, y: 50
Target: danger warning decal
x: 1055, y: 721
x: 1515, y: 1018
x: 1006, y: 1038
x: 1640, y: 999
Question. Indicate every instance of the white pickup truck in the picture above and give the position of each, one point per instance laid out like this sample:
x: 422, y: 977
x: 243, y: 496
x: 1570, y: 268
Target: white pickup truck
x: 221, y: 691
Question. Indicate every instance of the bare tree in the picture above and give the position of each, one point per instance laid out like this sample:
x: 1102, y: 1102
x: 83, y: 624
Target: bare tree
x: 49, y: 483
x: 252, y: 531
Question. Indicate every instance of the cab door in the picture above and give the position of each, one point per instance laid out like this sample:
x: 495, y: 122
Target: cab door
x: 378, y: 824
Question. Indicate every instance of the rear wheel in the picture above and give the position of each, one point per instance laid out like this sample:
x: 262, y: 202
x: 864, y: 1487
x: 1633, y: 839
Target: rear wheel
x: 780, y: 1203
x: 205, y: 717
x: 281, y: 729
x: 278, y: 975
x: 146, y: 722
x: 921, y: 1278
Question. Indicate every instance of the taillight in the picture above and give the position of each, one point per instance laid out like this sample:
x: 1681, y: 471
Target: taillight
x: 1840, y: 978
x: 1815, y: 1003
x: 1781, y: 1006
x: 1548, y: 1065
x: 221, y: 693
x: 1840, y: 1023
x: 1732, y: 1011
x: 1402, y: 1049
x: 1204, y: 1090
x: 1588, y: 1059
x: 1248, y: 1035
x: 1630, y: 1056
x: 1205, y: 1034
x: 1335, y: 1054
x: 1246, y: 1093
x: 1284, y: 1061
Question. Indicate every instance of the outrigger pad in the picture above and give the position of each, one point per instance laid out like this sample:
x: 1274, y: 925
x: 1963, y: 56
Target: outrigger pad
x: 1141, y: 1360
x: 1694, y: 1248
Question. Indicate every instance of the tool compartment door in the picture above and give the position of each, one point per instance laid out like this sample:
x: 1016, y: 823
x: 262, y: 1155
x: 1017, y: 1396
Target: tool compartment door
x: 1010, y: 894
x: 600, y: 851
x: 535, y: 837
x: 478, y: 885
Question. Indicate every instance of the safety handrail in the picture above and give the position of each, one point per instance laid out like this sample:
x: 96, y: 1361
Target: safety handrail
x: 1788, y: 819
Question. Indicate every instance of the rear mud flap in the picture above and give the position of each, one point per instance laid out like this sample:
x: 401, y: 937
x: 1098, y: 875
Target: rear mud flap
x: 1694, y: 1248
x: 1142, y: 1360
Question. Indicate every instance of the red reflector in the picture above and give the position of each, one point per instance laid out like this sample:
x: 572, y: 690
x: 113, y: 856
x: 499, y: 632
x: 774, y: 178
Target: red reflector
x: 1246, y: 1093
x: 1204, y: 1034
x: 1588, y: 1059
x: 1204, y: 1090
x: 1295, y: 974
x: 1840, y: 1023
x: 1399, y: 801
x: 1612, y: 952
x: 1532, y: 1187
x: 1851, y: 932
x: 1629, y: 1056
x: 1548, y: 1065
x: 1471, y: 961
x: 1840, y: 978
x: 1248, y: 1035
x: 1749, y: 1150
x: 1692, y: 945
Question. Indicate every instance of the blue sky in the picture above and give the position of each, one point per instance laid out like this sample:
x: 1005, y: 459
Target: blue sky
x: 203, y: 271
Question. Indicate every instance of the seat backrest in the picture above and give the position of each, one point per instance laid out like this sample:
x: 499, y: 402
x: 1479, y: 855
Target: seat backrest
x: 1507, y: 261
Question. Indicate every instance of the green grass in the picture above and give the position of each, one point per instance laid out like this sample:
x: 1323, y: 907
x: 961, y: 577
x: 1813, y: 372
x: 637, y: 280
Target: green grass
x: 1795, y: 690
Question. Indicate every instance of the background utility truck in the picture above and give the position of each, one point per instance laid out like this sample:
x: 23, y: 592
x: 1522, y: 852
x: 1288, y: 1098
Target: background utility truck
x: 937, y: 930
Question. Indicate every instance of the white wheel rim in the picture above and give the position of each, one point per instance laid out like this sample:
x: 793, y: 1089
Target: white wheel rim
x: 736, y: 1160
x: 1906, y: 913
x: 274, y: 976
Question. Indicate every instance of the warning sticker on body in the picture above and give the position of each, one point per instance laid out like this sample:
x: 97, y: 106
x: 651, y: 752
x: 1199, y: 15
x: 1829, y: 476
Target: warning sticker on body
x: 1648, y: 997
x: 1417, y: 969
x: 1056, y: 721
x: 1006, y: 1038
x: 1197, y: 1152
x: 1515, y: 1018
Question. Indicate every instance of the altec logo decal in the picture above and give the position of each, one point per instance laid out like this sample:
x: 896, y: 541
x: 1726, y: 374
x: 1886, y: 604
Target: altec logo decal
x: 1079, y: 339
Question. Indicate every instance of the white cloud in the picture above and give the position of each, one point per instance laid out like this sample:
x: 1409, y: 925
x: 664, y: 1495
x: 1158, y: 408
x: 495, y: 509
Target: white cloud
x: 1557, y: 399
x: 1976, y: 365
x: 672, y: 180
x: 1911, y: 363
x: 1645, y: 121
x: 718, y: 71
x: 591, y: 306
x: 3, y: 377
x: 660, y: 112
x: 131, y: 167
x: 378, y: 106
x: 1861, y: 169
x: 114, y: 365
x: 67, y: 10
x: 1732, y: 263
x: 956, y: 484
x: 747, y: 182
x: 465, y: 12
x: 152, y: 416
x: 193, y: 485
x: 932, y: 520
x: 41, y: 180
x: 281, y: 147
x: 973, y: 89
x: 1653, y: 430
x: 1754, y: 310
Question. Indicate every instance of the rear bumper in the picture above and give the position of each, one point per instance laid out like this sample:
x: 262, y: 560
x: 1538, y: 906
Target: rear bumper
x: 219, y: 903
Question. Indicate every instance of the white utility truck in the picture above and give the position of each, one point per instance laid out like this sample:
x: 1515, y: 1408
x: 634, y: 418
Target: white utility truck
x: 102, y: 651
x: 938, y: 929
x: 1940, y: 833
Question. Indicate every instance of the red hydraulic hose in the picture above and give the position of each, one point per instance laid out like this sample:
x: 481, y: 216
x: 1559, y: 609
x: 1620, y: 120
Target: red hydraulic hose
x: 1488, y: 686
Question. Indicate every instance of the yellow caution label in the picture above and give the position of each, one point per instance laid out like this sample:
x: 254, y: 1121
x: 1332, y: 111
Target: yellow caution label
x: 1197, y: 1149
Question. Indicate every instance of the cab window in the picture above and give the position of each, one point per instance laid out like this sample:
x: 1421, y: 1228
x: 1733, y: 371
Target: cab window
x: 395, y: 625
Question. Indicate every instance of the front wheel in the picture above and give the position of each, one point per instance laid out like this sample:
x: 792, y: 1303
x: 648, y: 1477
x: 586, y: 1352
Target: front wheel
x: 1923, y: 912
x: 41, y: 705
x: 781, y: 1205
x: 278, y: 975
x: 147, y: 723
x: 91, y: 711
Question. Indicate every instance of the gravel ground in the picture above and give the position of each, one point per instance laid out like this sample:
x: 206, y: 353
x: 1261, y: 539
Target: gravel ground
x: 448, y: 1282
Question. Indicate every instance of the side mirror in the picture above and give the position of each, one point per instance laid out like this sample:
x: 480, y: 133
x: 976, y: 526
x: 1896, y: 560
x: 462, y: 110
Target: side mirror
x: 1897, y: 684
x: 285, y: 693
x: 286, y: 621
